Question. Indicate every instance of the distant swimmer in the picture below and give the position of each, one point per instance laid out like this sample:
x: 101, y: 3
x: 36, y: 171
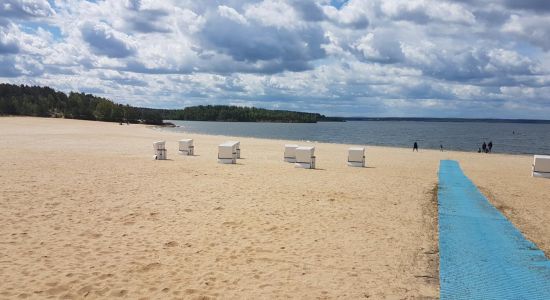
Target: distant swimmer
x: 415, y: 147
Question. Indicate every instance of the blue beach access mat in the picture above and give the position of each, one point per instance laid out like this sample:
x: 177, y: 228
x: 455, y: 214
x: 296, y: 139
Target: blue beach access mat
x: 482, y: 254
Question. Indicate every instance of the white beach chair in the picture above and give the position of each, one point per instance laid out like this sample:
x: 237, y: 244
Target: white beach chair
x: 186, y: 147
x: 237, y: 145
x: 290, y: 153
x: 356, y: 157
x: 160, y: 150
x: 305, y: 157
x: 227, y: 152
x: 541, y: 166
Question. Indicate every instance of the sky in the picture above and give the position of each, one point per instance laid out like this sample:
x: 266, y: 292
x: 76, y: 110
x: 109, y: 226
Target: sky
x: 375, y: 58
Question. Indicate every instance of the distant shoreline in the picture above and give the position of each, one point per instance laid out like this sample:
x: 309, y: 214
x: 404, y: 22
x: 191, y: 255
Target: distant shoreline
x: 398, y: 119
x: 457, y: 120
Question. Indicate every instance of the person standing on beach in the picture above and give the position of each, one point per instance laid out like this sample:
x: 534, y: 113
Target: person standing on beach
x: 441, y: 147
x: 490, y: 146
x: 484, y: 147
x: 415, y: 147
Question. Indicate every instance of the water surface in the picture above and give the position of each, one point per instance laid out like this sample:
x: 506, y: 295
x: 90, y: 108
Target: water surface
x: 515, y: 138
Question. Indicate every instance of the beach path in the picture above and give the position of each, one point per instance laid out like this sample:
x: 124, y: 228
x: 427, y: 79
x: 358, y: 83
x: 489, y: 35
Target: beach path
x: 482, y: 254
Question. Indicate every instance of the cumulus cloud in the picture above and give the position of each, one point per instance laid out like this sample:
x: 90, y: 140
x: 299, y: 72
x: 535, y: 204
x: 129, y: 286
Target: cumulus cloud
x: 8, y: 67
x: 309, y: 10
x: 352, y: 14
x: 423, y: 11
x: 105, y: 41
x: 355, y: 57
x: 147, y: 20
x: 530, y: 28
x: 534, y: 5
x: 22, y: 9
x: 13, y: 66
x: 231, y: 14
x: 265, y: 44
x: 379, y: 47
x: 9, y: 44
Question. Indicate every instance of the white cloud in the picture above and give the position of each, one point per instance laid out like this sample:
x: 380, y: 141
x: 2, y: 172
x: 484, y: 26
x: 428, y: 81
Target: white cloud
x: 362, y: 57
x: 273, y: 13
x: 379, y: 47
x: 231, y: 13
x: 25, y: 8
x: 533, y: 28
x: 423, y: 11
x: 354, y: 14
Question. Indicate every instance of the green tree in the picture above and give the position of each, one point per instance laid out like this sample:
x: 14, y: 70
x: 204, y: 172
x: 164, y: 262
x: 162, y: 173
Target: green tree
x: 103, y: 110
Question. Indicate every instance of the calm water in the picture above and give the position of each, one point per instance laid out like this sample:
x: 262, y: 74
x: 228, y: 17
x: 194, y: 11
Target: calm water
x: 528, y: 138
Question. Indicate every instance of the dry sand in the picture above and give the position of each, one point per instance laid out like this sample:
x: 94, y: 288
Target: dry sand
x: 86, y: 213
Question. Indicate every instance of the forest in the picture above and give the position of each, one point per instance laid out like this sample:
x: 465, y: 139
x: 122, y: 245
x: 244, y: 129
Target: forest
x: 46, y: 102
x: 39, y: 101
x: 244, y: 114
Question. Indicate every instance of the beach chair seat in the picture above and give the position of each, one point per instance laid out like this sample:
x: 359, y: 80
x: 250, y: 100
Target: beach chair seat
x: 356, y: 157
x: 290, y: 153
x: 305, y: 157
x: 186, y: 147
x: 541, y: 166
x: 160, y: 150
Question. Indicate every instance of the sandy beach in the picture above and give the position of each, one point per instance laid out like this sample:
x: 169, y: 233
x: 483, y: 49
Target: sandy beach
x: 85, y: 212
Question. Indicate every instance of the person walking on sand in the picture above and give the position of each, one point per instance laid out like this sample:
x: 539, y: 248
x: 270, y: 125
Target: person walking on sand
x: 490, y: 146
x: 415, y: 147
x: 484, y: 147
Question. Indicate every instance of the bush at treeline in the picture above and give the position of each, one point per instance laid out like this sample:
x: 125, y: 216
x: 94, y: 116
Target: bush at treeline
x: 46, y: 102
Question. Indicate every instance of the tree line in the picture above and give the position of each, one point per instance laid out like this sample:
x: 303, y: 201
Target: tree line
x: 46, y: 102
x: 244, y: 114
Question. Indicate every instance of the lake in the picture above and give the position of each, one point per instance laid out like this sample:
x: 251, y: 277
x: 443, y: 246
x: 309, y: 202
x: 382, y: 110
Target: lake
x: 514, y: 138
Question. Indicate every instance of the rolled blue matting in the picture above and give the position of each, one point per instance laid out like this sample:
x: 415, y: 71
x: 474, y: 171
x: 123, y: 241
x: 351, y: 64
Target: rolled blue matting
x: 482, y: 254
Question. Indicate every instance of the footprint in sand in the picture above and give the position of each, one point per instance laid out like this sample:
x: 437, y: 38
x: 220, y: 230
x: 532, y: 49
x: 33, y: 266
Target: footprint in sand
x: 67, y: 296
x: 93, y: 235
x: 150, y: 267
x: 85, y: 290
x: 103, y: 291
x: 231, y: 224
x: 120, y: 293
x: 105, y: 276
x: 171, y: 244
x: 57, y: 290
